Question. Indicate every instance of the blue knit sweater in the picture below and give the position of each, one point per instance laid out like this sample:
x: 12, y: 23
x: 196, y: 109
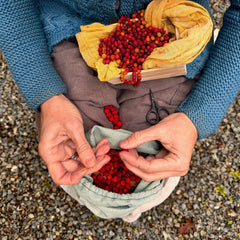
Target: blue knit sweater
x: 29, y: 30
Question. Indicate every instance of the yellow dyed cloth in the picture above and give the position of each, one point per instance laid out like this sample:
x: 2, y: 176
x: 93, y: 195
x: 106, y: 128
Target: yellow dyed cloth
x: 191, y: 19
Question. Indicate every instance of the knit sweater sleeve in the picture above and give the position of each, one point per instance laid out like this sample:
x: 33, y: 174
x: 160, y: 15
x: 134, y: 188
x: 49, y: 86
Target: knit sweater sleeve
x: 23, y: 43
x: 220, y: 81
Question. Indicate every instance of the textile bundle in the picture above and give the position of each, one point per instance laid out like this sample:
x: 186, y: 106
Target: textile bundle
x: 192, y: 21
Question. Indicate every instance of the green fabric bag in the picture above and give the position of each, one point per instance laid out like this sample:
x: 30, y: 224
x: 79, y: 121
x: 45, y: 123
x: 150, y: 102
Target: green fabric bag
x: 107, y: 204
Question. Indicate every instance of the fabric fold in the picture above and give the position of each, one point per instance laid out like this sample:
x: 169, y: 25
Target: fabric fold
x: 189, y: 19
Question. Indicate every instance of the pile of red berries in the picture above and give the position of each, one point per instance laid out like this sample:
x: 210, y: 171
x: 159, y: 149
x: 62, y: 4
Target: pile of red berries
x: 115, y: 177
x: 130, y: 44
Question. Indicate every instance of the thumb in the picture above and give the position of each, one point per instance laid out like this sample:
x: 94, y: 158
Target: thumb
x: 84, y: 150
x: 140, y: 137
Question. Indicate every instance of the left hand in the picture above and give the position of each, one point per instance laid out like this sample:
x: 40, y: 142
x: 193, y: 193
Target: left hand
x: 178, y: 136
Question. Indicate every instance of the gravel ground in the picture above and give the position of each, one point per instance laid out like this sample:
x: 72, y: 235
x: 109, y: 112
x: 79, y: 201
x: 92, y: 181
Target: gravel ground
x: 33, y: 207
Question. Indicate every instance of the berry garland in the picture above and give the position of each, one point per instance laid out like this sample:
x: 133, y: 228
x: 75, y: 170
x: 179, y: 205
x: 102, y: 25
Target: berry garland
x: 115, y: 177
x: 130, y: 44
x: 112, y: 115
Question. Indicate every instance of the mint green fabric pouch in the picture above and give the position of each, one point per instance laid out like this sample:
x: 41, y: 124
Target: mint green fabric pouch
x: 107, y: 204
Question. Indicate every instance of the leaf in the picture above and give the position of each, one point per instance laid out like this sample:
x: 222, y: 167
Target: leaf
x: 186, y: 227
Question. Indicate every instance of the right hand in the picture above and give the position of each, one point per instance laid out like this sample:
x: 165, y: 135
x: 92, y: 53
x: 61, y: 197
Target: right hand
x: 177, y: 134
x: 61, y: 135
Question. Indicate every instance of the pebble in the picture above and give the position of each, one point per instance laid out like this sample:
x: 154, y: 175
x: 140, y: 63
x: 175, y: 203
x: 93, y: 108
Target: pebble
x: 31, y: 216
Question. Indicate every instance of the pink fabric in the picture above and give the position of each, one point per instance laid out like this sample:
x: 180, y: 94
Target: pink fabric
x: 168, y: 187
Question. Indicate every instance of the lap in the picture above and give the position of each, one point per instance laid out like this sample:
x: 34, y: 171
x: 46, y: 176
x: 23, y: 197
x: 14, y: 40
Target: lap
x: 90, y: 95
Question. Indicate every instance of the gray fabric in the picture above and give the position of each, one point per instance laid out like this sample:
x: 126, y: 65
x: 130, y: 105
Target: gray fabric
x: 112, y: 205
x: 90, y: 95
x: 116, y: 136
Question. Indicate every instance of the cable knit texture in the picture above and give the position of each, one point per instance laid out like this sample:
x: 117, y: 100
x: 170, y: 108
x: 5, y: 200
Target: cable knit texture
x: 133, y: 6
x: 62, y: 18
x: 220, y: 82
x: 23, y: 43
x: 28, y: 32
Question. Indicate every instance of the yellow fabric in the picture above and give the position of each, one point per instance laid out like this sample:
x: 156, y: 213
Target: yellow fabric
x: 191, y: 19
x: 88, y: 41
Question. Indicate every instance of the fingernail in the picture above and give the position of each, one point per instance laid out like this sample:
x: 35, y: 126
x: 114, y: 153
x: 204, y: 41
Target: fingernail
x: 124, y: 143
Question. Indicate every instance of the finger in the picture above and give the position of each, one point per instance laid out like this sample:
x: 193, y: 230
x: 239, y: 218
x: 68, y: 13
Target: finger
x: 137, y: 171
x: 101, y: 161
x: 102, y: 147
x: 130, y: 152
x: 62, y: 177
x: 170, y: 163
x: 149, y: 177
x: 84, y: 150
x: 103, y: 150
x: 69, y: 148
x: 140, y: 137
x: 71, y: 165
x: 102, y: 142
x: 163, y: 153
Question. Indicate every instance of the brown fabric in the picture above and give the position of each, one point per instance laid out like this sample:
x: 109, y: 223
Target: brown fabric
x: 90, y: 95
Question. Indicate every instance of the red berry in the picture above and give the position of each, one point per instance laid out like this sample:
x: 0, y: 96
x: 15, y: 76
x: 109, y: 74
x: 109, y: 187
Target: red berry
x: 99, y: 177
x: 115, y: 179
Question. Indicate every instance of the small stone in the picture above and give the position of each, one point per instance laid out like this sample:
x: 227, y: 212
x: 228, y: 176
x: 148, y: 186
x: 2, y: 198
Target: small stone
x: 14, y: 169
x: 31, y: 216
x: 9, y: 166
x: 176, y: 211
x: 101, y: 224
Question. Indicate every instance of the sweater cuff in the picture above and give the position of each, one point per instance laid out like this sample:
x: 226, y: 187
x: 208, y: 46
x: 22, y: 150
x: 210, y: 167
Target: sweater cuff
x: 56, y: 87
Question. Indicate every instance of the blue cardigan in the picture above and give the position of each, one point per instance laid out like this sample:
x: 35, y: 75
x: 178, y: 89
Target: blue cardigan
x: 26, y: 44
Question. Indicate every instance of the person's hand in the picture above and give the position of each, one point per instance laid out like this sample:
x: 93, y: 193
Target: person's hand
x: 74, y: 166
x: 62, y: 135
x: 178, y: 136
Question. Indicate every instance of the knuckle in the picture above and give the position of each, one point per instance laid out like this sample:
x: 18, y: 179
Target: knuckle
x: 136, y: 136
x: 147, y: 178
x: 57, y: 181
x: 75, y: 124
x: 75, y: 128
x: 149, y: 167
x: 183, y: 168
x: 183, y: 173
x: 83, y: 147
